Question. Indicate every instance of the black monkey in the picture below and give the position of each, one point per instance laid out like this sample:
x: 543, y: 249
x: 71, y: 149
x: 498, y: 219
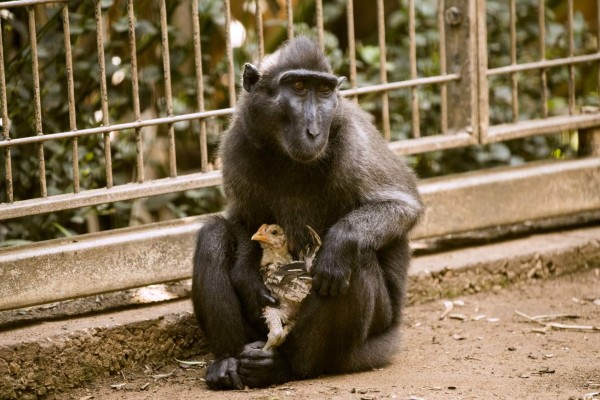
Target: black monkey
x: 299, y: 154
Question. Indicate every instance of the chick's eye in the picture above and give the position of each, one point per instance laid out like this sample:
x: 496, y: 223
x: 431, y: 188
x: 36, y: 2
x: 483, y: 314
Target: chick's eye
x: 275, y: 232
x: 324, y: 89
x: 299, y: 86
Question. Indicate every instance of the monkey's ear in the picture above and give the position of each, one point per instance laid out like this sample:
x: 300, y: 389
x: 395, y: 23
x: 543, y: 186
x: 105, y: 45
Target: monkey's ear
x: 341, y: 79
x: 250, y: 77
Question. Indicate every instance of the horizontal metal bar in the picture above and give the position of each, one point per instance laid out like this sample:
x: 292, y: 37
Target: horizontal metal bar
x: 86, y: 265
x: 116, y: 193
x: 186, y: 182
x: 521, y: 129
x: 400, y: 85
x: 26, y: 3
x: 213, y: 113
x: 200, y: 180
x: 432, y: 143
x: 116, y: 127
x: 544, y: 64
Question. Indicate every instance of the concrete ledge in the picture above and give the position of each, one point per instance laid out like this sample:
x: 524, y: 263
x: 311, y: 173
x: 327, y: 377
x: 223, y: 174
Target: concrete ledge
x: 497, y: 265
x: 86, y: 265
x: 43, y: 360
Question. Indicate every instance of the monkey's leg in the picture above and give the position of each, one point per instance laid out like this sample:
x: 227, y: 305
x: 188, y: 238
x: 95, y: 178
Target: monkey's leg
x: 218, y: 308
x: 357, y: 330
x: 263, y: 364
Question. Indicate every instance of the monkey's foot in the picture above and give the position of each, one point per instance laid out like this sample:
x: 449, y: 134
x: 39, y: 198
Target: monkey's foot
x: 223, y: 374
x: 260, y: 368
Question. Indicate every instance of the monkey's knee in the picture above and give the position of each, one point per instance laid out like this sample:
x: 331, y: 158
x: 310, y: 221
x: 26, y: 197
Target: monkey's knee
x: 213, y: 230
x: 214, y: 244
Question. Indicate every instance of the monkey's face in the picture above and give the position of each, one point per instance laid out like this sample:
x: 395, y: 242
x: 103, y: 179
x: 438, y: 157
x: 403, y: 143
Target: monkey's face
x: 307, y: 101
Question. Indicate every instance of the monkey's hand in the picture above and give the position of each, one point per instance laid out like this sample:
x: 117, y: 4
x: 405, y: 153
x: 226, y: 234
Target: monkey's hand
x: 223, y: 374
x: 266, y: 298
x: 259, y: 368
x: 333, y: 267
x: 250, y: 287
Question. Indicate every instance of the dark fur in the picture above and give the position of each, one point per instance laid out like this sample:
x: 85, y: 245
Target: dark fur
x: 355, y: 193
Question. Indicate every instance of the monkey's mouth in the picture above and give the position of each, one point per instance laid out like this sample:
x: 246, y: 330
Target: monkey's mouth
x: 306, y: 153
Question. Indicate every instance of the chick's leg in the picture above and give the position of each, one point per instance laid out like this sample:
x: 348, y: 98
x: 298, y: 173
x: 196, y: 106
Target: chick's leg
x: 277, y: 333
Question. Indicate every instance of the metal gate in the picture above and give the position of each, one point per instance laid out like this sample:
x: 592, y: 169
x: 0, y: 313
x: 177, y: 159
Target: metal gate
x: 464, y: 85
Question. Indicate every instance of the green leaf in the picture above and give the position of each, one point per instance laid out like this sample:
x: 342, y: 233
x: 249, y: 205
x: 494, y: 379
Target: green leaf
x: 369, y: 54
x: 14, y: 242
x: 62, y: 229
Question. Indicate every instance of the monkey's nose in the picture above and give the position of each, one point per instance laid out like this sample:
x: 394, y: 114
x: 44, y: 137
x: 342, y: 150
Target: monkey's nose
x: 312, y: 131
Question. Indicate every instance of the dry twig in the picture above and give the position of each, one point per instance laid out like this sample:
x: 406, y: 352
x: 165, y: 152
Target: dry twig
x: 448, y: 306
x: 555, y: 325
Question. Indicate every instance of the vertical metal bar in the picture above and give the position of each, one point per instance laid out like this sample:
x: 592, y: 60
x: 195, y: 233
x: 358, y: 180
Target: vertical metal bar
x: 71, y: 94
x: 544, y: 81
x: 5, y: 123
x: 571, y: 53
x: 168, y: 94
x: 290, y: 19
x: 37, y: 101
x: 259, y: 30
x: 443, y: 69
x: 229, y: 53
x: 466, y: 56
x: 139, y: 143
x: 385, y: 107
x: 513, y: 61
x: 482, y: 121
x: 199, y: 85
x: 413, y: 69
x: 351, y: 45
x: 320, y: 29
x: 589, y: 139
x: 103, y: 92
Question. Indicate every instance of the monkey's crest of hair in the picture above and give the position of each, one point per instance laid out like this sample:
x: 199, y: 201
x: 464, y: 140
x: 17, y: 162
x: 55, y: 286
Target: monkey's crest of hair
x: 299, y: 53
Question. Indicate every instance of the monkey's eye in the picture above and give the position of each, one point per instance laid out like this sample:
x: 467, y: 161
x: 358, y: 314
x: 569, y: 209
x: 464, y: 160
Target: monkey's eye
x: 324, y: 89
x: 299, y: 86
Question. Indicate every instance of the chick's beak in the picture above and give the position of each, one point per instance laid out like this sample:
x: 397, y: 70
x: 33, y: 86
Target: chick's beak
x: 260, y: 236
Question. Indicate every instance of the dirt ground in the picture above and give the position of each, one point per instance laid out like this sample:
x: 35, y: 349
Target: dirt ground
x: 480, y: 350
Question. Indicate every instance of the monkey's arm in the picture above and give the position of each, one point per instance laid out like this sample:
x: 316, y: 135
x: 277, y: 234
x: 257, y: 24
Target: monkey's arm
x: 246, y: 278
x: 370, y: 226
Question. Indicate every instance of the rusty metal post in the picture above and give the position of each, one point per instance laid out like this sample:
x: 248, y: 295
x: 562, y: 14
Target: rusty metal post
x: 589, y: 143
x: 139, y: 140
x: 5, y: 125
x: 461, y: 58
x: 229, y: 52
x: 103, y: 91
x: 351, y: 45
x: 589, y: 140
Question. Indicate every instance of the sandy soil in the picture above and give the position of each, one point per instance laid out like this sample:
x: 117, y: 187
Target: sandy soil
x: 480, y: 350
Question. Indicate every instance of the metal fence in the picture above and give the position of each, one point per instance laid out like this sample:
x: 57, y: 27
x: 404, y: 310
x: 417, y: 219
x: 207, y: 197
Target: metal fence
x: 463, y: 82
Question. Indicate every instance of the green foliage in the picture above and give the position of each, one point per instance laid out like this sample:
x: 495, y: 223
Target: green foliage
x: 514, y: 152
x: 91, y: 152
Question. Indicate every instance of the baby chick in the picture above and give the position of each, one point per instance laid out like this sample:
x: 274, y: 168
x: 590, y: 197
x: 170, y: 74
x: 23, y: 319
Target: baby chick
x: 287, y: 279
